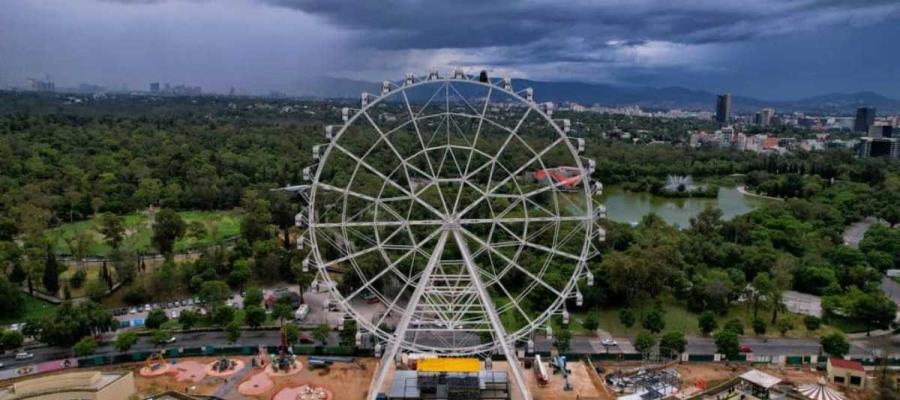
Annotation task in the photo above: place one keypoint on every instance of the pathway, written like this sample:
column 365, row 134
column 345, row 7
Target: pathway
column 856, row 231
column 233, row 380
column 743, row 190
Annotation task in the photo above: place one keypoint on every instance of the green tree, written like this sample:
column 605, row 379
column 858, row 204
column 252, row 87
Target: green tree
column 291, row 333
column 348, row 333
column 254, row 316
column 320, row 333
column 282, row 312
column 759, row 326
column 591, row 322
column 112, row 227
column 563, row 340
column 50, row 279
column 188, row 319
column 835, row 344
column 95, row 289
column 160, row 337
column 674, row 341
column 707, row 322
column 214, row 292
column 812, row 322
column 874, row 310
column 167, row 229
column 626, row 317
column 233, row 332
column 253, row 297
column 11, row 339
column 644, row 342
column 12, row 301
column 222, row 315
column 155, row 318
column 762, row 286
column 727, row 343
column 85, row 347
column 654, row 321
column 784, row 325
column 125, row 341
column 734, row 325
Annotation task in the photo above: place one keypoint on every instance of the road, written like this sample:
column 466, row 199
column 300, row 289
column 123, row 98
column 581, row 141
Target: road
column 187, row 340
column 856, row 231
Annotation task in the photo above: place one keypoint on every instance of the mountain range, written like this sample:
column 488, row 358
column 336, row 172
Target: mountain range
column 647, row 97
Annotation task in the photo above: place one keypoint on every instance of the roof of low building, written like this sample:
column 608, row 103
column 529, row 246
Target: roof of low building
column 846, row 364
column 760, row 378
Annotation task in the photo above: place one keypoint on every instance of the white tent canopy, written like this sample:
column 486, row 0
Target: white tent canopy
column 760, row 378
column 819, row 391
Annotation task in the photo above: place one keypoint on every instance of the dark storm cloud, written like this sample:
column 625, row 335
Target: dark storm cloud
column 767, row 48
column 403, row 24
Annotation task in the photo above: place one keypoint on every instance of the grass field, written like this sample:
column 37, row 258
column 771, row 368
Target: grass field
column 138, row 231
column 33, row 308
column 680, row 319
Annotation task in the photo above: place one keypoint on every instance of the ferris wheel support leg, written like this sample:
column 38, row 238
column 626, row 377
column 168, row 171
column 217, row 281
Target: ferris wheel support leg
column 400, row 333
column 500, row 333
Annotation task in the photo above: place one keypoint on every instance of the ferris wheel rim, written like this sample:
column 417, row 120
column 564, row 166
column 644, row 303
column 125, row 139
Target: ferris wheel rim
column 362, row 112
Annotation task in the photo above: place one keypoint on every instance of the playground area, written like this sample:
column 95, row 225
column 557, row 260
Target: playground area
column 245, row 379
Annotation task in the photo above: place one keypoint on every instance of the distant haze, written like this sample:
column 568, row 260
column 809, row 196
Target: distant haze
column 766, row 49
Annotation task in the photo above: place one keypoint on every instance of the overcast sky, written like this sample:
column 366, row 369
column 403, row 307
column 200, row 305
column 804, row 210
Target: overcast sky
column 771, row 49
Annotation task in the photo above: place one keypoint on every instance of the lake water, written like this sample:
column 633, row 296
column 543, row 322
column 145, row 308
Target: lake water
column 630, row 207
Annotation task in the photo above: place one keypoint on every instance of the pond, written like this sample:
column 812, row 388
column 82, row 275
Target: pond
column 630, row 207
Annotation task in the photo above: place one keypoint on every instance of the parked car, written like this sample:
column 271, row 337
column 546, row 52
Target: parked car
column 609, row 342
column 171, row 339
column 24, row 356
column 746, row 349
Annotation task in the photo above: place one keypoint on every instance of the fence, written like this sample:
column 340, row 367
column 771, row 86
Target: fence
column 212, row 351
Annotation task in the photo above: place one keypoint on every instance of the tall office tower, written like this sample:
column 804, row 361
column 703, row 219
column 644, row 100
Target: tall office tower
column 154, row 87
column 723, row 109
column 865, row 117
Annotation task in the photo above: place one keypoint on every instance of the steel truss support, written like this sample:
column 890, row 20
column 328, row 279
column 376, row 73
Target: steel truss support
column 400, row 333
column 499, row 332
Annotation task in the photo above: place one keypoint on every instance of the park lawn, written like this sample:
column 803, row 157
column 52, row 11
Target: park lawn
column 33, row 308
column 678, row 318
column 138, row 232
column 93, row 274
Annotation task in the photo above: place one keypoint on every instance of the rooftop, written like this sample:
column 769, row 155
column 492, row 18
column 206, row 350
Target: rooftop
column 760, row 378
column 846, row 364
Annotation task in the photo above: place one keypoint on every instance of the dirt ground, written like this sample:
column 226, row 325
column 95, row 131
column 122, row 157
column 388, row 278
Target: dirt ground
column 581, row 382
column 345, row 381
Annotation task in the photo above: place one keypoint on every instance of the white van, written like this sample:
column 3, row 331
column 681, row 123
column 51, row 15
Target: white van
column 301, row 312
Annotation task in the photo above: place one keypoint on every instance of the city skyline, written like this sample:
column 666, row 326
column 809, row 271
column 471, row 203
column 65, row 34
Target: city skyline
column 265, row 45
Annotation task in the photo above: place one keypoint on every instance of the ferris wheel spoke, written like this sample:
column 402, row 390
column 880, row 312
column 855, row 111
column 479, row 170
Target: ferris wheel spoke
column 536, row 157
column 418, row 132
column 390, row 268
column 346, row 192
column 354, row 254
column 403, row 162
column 388, row 180
column 428, row 222
column 515, row 302
column 481, row 221
column 487, row 101
column 512, row 263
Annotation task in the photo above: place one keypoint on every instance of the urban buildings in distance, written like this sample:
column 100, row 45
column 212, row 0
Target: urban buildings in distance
column 179, row 90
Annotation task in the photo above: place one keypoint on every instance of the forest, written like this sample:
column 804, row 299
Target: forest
column 100, row 159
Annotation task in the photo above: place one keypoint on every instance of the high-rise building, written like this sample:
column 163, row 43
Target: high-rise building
column 865, row 117
column 154, row 87
column 723, row 109
column 38, row 85
column 764, row 117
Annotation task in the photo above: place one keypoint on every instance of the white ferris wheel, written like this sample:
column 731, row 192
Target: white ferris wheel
column 460, row 209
